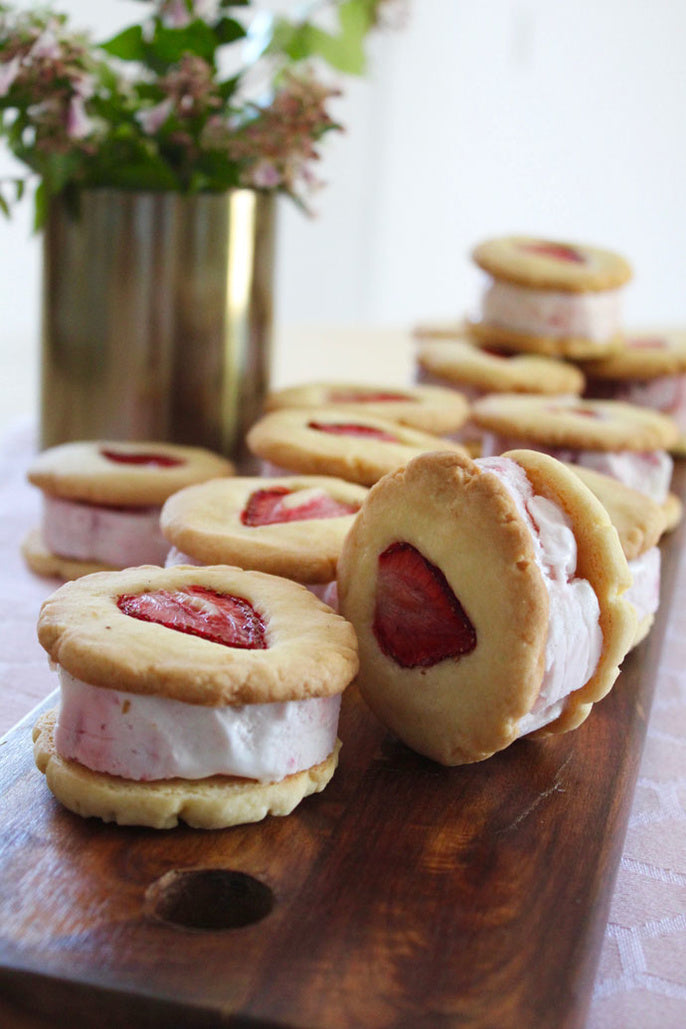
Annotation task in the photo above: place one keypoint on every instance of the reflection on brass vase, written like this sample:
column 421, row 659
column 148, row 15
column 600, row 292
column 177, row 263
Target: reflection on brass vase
column 157, row 317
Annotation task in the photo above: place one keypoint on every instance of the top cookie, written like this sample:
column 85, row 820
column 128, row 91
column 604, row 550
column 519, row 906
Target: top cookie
column 464, row 364
column 331, row 441
column 123, row 473
column 164, row 631
column 429, row 408
column 644, row 354
column 292, row 526
column 606, row 425
column 548, row 264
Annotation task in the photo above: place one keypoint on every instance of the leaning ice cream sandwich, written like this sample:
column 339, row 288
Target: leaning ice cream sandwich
column 429, row 408
column 562, row 299
column 624, row 441
column 640, row 523
column 293, row 526
column 649, row 370
column 207, row 695
column 102, row 501
column 331, row 441
column 487, row 598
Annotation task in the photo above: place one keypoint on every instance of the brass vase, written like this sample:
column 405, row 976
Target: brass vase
column 157, row 317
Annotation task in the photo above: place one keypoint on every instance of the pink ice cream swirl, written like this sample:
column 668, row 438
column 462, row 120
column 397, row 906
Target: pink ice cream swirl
column 575, row 641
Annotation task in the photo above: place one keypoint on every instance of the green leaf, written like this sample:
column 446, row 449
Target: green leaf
column 342, row 52
column 127, row 45
column 40, row 212
column 149, row 174
column 169, row 44
column 228, row 30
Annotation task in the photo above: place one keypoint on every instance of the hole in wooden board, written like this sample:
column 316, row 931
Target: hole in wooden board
column 208, row 899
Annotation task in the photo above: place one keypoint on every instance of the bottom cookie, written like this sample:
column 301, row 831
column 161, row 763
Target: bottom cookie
column 217, row 802
column 43, row 562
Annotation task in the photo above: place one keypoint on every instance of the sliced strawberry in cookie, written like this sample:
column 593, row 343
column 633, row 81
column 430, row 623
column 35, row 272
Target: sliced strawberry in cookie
column 352, row 429
column 556, row 251
column 218, row 617
column 351, row 396
column 138, row 457
column 418, row 620
column 272, row 506
column 647, row 343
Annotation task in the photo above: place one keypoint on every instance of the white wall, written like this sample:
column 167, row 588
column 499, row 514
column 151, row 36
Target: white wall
column 478, row 119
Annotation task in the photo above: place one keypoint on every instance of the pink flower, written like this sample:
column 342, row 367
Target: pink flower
column 265, row 175
column 46, row 46
column 175, row 13
column 79, row 125
column 154, row 118
column 8, row 73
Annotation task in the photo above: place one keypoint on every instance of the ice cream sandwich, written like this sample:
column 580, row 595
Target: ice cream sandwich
column 627, row 442
column 292, row 526
column 332, row 441
column 488, row 601
column 649, row 370
column 562, row 299
column 206, row 695
column 429, row 408
column 102, row 502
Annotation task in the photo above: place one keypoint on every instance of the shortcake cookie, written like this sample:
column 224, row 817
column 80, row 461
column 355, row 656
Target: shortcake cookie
column 428, row 408
column 640, row 523
column 456, row 328
column 487, row 598
column 625, row 441
column 330, row 441
column 102, row 501
column 475, row 371
column 550, row 297
column 207, row 695
column 649, row 370
column 292, row 526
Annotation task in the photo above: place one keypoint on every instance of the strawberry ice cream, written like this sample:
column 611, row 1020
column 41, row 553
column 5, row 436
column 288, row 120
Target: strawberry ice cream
column 575, row 641
column 121, row 537
column 593, row 316
column 644, row 592
column 665, row 393
column 145, row 737
column 649, row 472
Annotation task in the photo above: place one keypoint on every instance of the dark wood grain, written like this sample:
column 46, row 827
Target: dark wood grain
column 405, row 895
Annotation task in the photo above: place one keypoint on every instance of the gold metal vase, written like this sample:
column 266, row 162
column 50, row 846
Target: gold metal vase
column 157, row 317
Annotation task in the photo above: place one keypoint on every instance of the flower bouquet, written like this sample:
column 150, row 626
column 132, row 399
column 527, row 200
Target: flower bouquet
column 201, row 96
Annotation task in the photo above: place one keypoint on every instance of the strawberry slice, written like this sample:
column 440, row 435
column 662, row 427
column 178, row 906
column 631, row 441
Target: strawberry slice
column 418, row 620
column 140, row 457
column 351, row 396
column 198, row 611
column 647, row 343
column 343, row 429
column 267, row 507
column 585, row 412
column 557, row 251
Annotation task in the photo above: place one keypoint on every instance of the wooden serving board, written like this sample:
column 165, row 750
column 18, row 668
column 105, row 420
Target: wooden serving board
column 404, row 895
